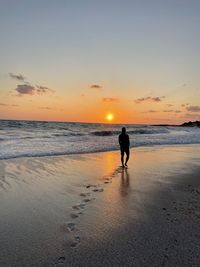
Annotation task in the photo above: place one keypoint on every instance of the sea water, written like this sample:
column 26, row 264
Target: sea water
column 33, row 138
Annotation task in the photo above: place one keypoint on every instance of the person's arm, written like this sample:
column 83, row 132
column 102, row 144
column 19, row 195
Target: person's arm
column 128, row 141
column 119, row 139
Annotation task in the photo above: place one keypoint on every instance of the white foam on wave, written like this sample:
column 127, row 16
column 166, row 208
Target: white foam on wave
column 25, row 141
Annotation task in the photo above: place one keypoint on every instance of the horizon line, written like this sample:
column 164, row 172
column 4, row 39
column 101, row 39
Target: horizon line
column 153, row 124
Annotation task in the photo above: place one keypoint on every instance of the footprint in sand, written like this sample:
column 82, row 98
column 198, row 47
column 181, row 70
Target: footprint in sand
column 74, row 215
column 98, row 190
column 60, row 260
column 69, row 226
column 92, row 185
column 76, row 242
column 85, row 194
column 80, row 206
column 87, row 200
column 76, row 207
column 95, row 190
column 108, row 181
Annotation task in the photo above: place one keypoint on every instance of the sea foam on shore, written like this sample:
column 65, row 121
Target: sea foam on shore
column 32, row 138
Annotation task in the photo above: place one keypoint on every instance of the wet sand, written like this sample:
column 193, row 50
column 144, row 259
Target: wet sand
column 84, row 210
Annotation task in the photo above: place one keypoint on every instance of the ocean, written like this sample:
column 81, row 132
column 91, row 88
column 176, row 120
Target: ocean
column 35, row 138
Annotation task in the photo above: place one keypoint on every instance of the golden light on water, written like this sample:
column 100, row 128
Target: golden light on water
column 109, row 117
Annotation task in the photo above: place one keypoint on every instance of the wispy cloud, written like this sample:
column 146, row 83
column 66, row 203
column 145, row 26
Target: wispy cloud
column 173, row 111
column 25, row 89
column 150, row 99
column 18, row 77
column 109, row 99
column 8, row 105
column 169, row 105
column 2, row 104
column 96, row 86
column 150, row 111
column 193, row 108
column 184, row 105
column 42, row 89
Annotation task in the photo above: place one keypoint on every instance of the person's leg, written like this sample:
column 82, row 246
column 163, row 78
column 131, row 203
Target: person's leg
column 127, row 156
column 122, row 157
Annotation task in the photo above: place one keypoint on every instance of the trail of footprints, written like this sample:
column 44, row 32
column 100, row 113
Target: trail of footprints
column 78, row 209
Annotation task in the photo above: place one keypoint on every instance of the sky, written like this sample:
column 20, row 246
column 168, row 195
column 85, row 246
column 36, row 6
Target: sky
column 81, row 60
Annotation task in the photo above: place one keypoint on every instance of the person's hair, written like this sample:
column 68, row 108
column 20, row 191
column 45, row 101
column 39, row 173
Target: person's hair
column 123, row 130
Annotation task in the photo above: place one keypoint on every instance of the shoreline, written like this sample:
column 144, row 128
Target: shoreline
column 83, row 210
column 97, row 152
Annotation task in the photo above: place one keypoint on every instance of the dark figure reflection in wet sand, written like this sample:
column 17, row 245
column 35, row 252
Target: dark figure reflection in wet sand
column 124, row 146
column 125, row 183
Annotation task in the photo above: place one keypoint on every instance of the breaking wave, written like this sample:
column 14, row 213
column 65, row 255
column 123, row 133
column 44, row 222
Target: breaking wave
column 29, row 138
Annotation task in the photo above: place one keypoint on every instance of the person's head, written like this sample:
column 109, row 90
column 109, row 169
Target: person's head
column 123, row 130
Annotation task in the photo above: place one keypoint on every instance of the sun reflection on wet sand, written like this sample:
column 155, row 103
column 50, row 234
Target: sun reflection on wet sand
column 125, row 183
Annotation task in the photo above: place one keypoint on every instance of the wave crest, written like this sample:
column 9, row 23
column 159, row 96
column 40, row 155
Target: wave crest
column 137, row 131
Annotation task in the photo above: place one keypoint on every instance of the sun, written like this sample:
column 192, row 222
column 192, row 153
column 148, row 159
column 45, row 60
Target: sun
column 109, row 117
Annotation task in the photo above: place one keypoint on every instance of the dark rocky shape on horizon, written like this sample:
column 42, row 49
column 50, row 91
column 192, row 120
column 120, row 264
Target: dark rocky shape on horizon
column 191, row 124
column 185, row 124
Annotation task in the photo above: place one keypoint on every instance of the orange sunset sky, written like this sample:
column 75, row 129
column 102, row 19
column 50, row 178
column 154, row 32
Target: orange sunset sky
column 82, row 60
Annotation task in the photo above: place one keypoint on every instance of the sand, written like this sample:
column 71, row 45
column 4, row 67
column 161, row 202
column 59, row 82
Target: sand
column 84, row 210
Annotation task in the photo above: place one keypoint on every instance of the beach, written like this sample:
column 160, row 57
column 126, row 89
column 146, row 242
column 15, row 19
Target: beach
column 84, row 210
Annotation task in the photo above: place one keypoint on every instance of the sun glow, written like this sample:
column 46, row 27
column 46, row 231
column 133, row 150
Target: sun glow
column 109, row 117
